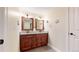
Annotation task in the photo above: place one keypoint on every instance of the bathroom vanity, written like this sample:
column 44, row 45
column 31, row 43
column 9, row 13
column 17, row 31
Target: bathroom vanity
column 30, row 38
column 33, row 40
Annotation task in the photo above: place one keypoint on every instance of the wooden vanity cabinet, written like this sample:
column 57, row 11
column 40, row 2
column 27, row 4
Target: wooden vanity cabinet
column 25, row 42
column 44, row 39
column 39, row 41
column 31, row 41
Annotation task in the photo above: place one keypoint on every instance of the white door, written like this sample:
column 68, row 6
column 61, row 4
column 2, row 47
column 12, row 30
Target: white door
column 74, row 29
column 1, row 28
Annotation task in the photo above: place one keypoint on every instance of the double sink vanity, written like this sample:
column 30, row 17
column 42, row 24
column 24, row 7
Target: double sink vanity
column 33, row 40
column 30, row 39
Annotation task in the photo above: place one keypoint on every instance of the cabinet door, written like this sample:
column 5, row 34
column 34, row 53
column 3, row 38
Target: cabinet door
column 34, row 41
column 39, row 40
column 44, row 39
column 22, row 38
column 28, row 42
column 25, row 42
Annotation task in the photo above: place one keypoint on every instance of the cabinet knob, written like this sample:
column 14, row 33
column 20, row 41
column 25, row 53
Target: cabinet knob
column 72, row 34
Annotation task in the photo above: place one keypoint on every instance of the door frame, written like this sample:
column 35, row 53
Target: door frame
column 69, row 27
column 71, row 12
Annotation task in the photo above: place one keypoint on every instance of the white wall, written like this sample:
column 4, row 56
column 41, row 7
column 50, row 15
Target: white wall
column 11, row 29
column 58, row 32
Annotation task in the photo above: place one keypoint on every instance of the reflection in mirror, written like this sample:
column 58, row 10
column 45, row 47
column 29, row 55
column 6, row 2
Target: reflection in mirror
column 40, row 25
column 27, row 24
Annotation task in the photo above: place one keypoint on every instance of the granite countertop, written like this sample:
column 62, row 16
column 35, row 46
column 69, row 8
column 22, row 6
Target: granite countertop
column 22, row 33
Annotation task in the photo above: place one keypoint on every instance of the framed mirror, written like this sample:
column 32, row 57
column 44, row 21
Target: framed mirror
column 27, row 24
column 39, row 25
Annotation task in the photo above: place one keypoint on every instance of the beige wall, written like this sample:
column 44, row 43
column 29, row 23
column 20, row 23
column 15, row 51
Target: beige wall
column 58, row 31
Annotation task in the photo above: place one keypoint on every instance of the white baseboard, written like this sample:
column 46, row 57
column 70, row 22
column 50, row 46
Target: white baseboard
column 57, row 50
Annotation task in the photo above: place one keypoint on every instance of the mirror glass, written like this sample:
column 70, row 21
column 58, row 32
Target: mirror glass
column 40, row 25
column 27, row 23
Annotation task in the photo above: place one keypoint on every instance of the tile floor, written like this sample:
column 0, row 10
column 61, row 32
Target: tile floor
column 42, row 49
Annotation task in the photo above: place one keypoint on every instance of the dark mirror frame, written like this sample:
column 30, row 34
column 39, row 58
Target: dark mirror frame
column 36, row 25
column 22, row 19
